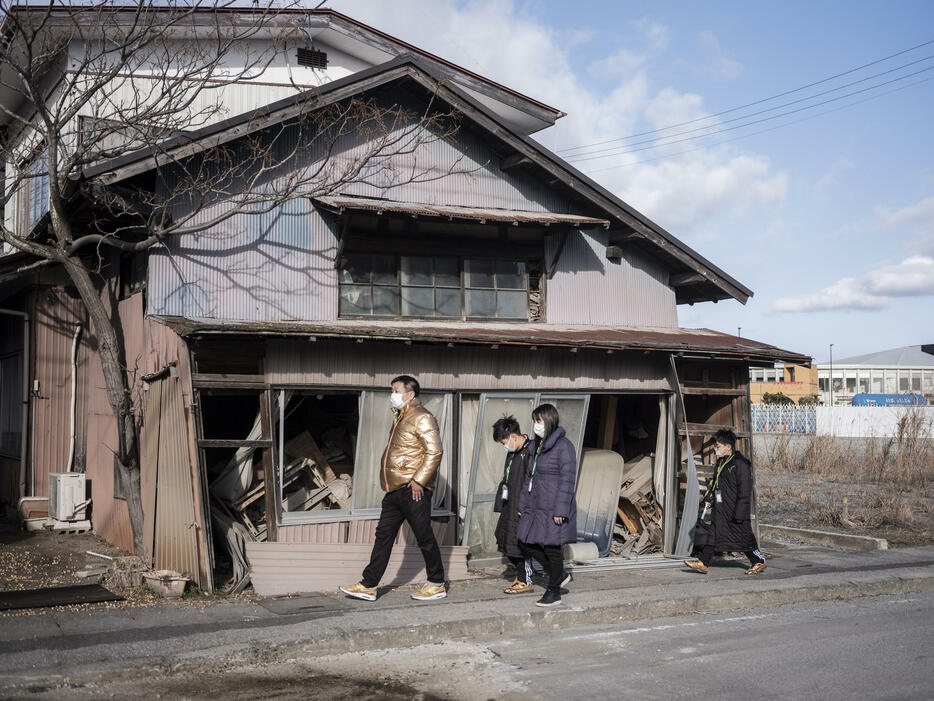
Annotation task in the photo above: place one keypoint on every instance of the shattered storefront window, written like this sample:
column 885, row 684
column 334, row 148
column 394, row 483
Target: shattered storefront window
column 331, row 446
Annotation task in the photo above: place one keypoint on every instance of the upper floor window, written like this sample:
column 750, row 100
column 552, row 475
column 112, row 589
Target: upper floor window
column 34, row 190
column 436, row 287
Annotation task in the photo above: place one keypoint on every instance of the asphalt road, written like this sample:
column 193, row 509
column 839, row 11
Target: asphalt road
column 874, row 648
column 869, row 648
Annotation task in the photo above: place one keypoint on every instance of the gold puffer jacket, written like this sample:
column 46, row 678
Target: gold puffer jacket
column 414, row 449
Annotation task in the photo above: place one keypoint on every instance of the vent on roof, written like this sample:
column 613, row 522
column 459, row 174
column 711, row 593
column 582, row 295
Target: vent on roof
column 312, row 58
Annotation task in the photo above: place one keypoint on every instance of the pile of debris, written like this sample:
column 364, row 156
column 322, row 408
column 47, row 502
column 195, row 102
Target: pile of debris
column 639, row 531
column 309, row 483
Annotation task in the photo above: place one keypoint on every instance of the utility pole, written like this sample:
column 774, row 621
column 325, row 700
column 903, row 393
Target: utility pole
column 831, row 374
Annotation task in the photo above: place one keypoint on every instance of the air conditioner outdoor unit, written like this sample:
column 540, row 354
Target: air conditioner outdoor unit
column 66, row 496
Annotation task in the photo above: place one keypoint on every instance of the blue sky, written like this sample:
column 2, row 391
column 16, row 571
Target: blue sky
column 830, row 220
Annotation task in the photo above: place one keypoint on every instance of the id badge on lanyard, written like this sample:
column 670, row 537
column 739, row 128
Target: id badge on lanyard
column 718, row 496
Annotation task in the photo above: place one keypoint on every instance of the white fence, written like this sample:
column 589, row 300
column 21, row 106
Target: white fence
column 843, row 421
column 870, row 421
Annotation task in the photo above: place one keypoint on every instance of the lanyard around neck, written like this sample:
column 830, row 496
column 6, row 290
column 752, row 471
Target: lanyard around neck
column 538, row 450
column 716, row 481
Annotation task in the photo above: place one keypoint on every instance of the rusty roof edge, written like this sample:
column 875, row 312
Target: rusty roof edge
column 191, row 327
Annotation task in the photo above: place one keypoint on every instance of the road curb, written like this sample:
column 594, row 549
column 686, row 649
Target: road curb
column 842, row 541
column 340, row 641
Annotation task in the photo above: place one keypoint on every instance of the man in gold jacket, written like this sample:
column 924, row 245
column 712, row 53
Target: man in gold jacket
column 408, row 471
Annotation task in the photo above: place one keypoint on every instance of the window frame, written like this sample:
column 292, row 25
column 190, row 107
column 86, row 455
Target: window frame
column 441, row 499
column 464, row 289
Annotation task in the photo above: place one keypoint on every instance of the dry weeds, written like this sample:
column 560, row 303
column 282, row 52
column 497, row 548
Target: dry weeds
column 903, row 460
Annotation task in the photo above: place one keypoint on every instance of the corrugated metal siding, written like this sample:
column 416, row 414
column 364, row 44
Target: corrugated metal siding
column 175, row 545
column 359, row 532
column 289, row 568
column 148, row 347
column 279, row 266
column 589, row 289
column 55, row 315
column 346, row 363
column 274, row 266
column 471, row 178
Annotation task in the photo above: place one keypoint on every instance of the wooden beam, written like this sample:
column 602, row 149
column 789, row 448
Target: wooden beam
column 515, row 160
column 202, row 380
column 232, row 443
column 269, row 465
column 345, row 225
column 714, row 391
column 608, row 405
column 685, row 279
column 554, row 261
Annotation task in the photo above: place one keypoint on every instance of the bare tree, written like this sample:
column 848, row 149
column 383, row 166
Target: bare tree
column 84, row 84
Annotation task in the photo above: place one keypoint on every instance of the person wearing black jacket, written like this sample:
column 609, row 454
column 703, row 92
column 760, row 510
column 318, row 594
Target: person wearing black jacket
column 518, row 455
column 729, row 498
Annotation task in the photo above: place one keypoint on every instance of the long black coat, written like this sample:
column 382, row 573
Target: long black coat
column 731, row 529
column 551, row 494
column 508, row 525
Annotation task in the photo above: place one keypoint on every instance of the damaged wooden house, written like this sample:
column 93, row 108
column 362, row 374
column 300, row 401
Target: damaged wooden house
column 262, row 346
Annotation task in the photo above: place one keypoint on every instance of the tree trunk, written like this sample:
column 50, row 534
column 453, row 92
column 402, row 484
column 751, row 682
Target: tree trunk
column 118, row 395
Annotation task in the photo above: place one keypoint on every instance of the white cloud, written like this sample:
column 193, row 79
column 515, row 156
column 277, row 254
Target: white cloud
column 913, row 277
column 716, row 63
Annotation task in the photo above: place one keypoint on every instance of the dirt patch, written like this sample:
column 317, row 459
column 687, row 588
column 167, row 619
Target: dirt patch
column 36, row 560
column 451, row 671
column 903, row 516
column 33, row 560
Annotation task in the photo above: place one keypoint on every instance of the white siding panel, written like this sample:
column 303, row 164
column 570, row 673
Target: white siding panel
column 589, row 289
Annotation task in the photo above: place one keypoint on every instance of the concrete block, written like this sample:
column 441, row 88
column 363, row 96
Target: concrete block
column 842, row 541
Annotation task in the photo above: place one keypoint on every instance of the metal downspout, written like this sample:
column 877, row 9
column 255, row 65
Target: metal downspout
column 74, row 395
column 22, row 458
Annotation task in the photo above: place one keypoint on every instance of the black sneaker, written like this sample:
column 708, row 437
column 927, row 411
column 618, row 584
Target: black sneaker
column 566, row 579
column 549, row 599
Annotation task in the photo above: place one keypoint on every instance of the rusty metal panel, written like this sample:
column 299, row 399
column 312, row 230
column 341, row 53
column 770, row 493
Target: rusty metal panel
column 418, row 209
column 175, row 533
column 149, row 464
column 589, row 289
column 346, row 363
column 55, row 316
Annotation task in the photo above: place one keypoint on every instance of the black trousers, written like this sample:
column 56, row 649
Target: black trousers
column 706, row 555
column 399, row 507
column 551, row 560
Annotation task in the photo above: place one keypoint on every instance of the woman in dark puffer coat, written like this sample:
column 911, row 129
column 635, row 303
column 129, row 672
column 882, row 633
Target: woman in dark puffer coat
column 547, row 508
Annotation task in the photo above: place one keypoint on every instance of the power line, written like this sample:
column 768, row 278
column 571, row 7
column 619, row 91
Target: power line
column 625, row 150
column 754, row 114
column 749, row 104
column 761, row 131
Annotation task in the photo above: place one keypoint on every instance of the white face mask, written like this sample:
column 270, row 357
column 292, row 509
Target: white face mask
column 539, row 429
column 506, row 447
column 395, row 400
column 721, row 452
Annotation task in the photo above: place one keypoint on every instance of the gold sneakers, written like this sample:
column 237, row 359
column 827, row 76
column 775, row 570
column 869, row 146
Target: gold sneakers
column 697, row 566
column 429, row 592
column 518, row 587
column 756, row 568
column 358, row 591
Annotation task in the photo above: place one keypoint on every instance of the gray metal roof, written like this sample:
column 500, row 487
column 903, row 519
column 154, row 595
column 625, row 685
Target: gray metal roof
column 378, row 206
column 672, row 340
column 907, row 356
